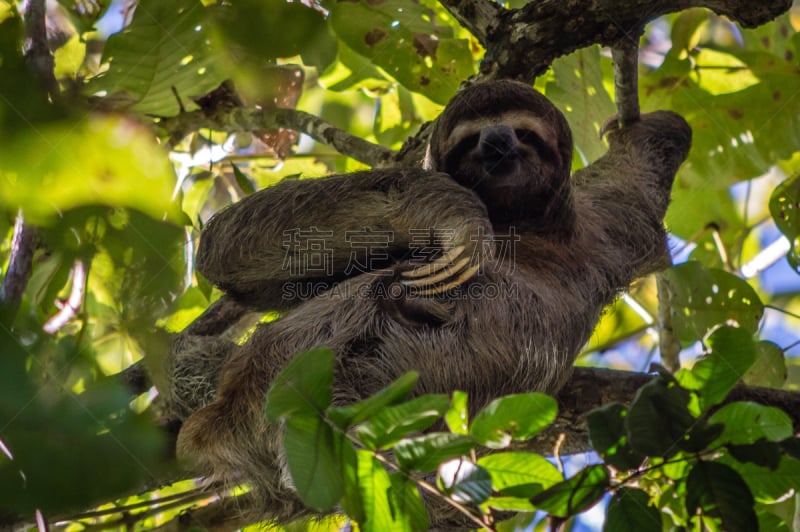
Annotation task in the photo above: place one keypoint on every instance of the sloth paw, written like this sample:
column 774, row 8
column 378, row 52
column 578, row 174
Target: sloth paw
column 449, row 270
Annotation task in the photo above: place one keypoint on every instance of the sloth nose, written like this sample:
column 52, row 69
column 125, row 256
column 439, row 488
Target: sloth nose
column 497, row 143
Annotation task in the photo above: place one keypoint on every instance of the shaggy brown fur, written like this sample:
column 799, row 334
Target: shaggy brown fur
column 514, row 326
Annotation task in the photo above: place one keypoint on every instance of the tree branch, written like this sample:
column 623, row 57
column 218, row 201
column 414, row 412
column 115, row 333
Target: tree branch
column 251, row 119
column 475, row 15
column 23, row 244
column 37, row 52
column 524, row 42
column 587, row 389
column 625, row 56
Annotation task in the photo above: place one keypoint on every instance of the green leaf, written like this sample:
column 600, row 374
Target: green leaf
column 702, row 298
column 791, row 446
column 520, row 474
column 347, row 416
column 310, row 446
column 746, row 422
column 352, row 501
column 659, row 418
column 608, row 435
column 513, row 417
column 575, row 494
column 762, row 453
column 304, row 387
column 513, row 504
column 242, row 180
column 375, row 484
column 630, row 511
column 768, row 485
column 165, row 50
column 465, row 481
column 407, row 504
column 784, row 205
column 693, row 209
column 103, row 160
column 685, row 28
column 64, row 445
column 719, row 491
column 578, row 90
column 425, row 453
column 402, row 39
column 769, row 369
column 396, row 422
column 732, row 352
column 293, row 28
column 457, row 416
column 734, row 145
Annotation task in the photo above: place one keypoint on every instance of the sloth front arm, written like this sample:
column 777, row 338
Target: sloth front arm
column 324, row 230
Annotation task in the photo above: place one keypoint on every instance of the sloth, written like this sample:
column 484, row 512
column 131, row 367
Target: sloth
column 484, row 271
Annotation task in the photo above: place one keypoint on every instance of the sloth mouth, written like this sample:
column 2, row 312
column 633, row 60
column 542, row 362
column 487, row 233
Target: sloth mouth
column 501, row 168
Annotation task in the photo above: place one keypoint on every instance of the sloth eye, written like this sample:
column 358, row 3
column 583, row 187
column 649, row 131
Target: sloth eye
column 532, row 139
column 467, row 143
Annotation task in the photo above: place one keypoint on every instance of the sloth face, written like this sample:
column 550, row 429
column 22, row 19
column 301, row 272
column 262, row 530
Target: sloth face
column 515, row 155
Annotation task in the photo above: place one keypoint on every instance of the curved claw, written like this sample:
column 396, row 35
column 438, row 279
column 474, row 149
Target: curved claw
column 461, row 279
column 440, row 276
column 434, row 266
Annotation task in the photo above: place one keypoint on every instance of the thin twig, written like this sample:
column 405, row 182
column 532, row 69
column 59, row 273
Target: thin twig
column 73, row 303
column 625, row 55
column 252, row 119
column 668, row 343
column 23, row 244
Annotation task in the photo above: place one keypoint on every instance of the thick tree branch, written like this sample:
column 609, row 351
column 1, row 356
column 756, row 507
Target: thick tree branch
column 37, row 53
column 587, row 389
column 474, row 15
column 523, row 43
column 249, row 119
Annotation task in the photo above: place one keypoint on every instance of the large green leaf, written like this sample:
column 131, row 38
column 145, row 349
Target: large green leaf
column 103, row 160
column 769, row 369
column 747, row 422
column 718, row 491
column 304, row 387
column 784, row 205
column 310, row 448
column 520, row 474
column 396, row 422
column 579, row 92
column 346, row 416
column 630, row 511
column 164, row 55
column 513, row 417
column 731, row 140
column 732, row 351
column 402, row 39
column 376, row 486
column 609, row 436
column 425, row 453
column 407, row 503
column 292, row 28
column 575, row 494
column 65, row 446
column 768, row 485
column 701, row 298
column 659, row 418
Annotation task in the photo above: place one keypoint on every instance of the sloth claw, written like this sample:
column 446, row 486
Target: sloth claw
column 427, row 286
column 434, row 266
column 441, row 275
column 461, row 279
